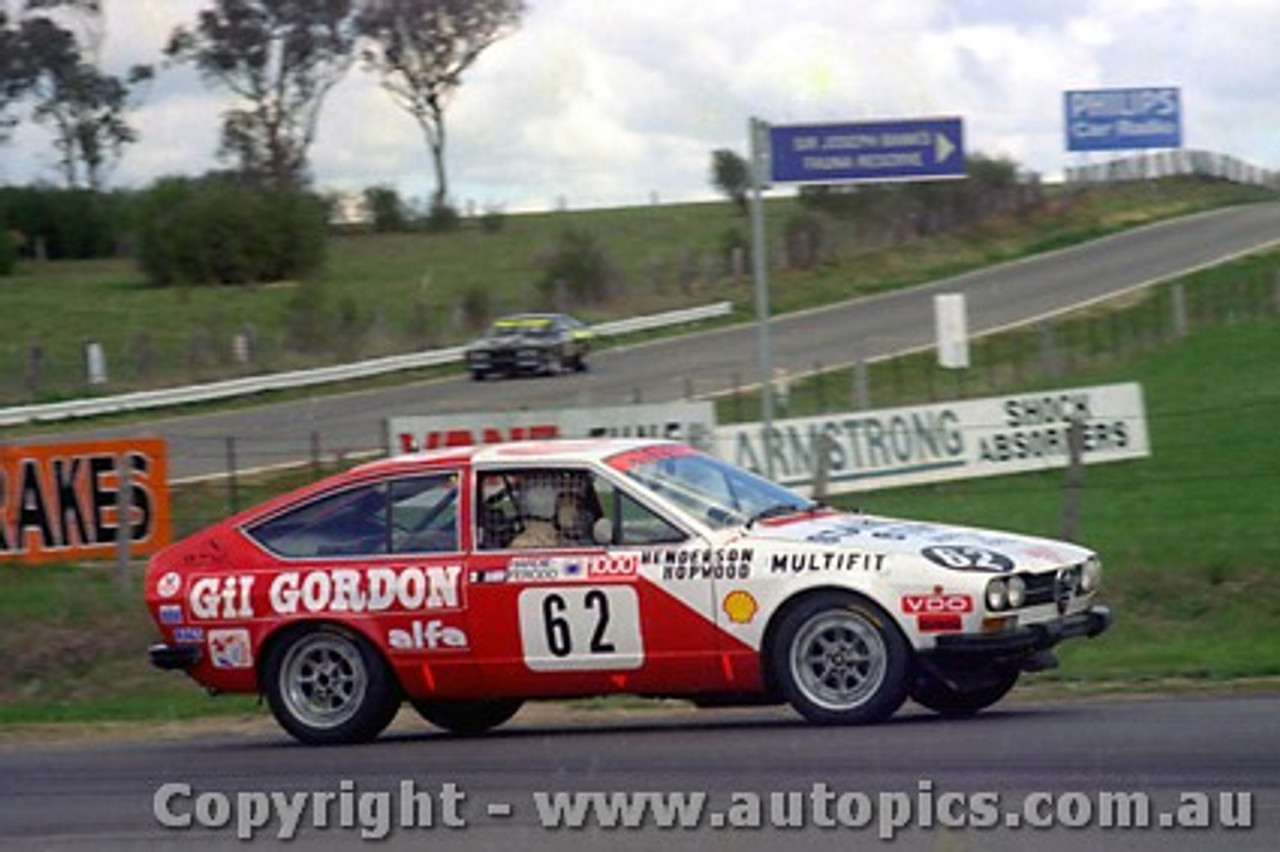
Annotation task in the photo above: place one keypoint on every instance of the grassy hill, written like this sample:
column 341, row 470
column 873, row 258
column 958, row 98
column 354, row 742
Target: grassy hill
column 386, row 293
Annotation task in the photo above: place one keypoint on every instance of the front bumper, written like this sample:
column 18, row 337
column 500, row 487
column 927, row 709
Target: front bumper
column 170, row 657
column 1026, row 640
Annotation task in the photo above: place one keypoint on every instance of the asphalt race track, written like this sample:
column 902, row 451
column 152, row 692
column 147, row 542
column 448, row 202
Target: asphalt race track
column 1035, row 764
column 669, row 369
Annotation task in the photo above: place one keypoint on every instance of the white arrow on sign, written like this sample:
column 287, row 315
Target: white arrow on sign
column 942, row 147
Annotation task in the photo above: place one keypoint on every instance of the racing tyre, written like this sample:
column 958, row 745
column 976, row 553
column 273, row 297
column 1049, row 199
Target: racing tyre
column 838, row 660
column 468, row 717
column 326, row 686
column 932, row 692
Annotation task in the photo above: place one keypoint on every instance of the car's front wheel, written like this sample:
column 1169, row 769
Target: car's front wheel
column 933, row 692
column 838, row 659
column 468, row 717
column 326, row 686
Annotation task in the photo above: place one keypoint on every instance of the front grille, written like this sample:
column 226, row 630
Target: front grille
column 1054, row 587
column 1040, row 588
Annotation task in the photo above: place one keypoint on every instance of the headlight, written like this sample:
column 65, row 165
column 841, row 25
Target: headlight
column 997, row 595
column 1016, row 591
column 1091, row 575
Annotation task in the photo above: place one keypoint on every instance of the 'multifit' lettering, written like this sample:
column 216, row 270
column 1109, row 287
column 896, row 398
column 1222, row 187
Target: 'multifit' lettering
column 795, row 563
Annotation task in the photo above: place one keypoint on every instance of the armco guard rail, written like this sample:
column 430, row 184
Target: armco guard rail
column 250, row 385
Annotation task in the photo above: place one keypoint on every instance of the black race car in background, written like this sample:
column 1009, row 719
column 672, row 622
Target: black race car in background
column 545, row 344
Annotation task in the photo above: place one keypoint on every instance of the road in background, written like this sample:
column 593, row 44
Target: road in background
column 706, row 363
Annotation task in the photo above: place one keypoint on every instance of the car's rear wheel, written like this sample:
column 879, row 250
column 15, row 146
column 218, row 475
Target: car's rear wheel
column 838, row 659
column 326, row 686
column 468, row 717
column 933, row 692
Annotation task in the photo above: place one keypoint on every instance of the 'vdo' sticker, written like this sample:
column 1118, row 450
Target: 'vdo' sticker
column 962, row 558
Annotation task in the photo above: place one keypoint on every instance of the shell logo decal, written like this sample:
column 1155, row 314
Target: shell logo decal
column 740, row 606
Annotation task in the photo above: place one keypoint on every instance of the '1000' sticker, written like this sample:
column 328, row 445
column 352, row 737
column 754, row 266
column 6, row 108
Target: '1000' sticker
column 588, row 628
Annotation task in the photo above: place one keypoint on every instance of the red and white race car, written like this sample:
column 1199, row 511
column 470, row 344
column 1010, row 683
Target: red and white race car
column 469, row 580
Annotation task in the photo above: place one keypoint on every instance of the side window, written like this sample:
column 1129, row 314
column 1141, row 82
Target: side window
column 630, row 522
column 349, row 523
column 424, row 514
column 536, row 508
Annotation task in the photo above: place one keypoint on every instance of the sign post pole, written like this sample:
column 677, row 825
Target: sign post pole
column 756, row 132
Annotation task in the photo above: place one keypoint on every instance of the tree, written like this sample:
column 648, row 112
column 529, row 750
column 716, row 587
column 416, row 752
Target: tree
column 14, row 76
column 731, row 175
column 85, row 105
column 281, row 58
column 420, row 49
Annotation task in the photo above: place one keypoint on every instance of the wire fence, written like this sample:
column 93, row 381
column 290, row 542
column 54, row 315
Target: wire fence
column 1049, row 354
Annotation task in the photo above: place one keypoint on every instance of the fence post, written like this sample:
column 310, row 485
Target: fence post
column 233, row 484
column 861, row 385
column 822, row 387
column 124, row 528
column 1074, row 480
column 1049, row 351
column 822, row 472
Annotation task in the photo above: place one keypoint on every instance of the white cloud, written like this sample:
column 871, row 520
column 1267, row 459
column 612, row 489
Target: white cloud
column 599, row 102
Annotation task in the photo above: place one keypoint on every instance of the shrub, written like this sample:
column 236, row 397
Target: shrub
column 215, row 230
column 66, row 224
column 576, row 269
column 386, row 209
column 8, row 251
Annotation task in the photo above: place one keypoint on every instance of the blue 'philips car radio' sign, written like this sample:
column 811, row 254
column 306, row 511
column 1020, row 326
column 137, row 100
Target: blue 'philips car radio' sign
column 914, row 149
column 1123, row 119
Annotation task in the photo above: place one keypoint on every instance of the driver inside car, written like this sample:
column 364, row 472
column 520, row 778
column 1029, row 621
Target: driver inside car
column 554, row 516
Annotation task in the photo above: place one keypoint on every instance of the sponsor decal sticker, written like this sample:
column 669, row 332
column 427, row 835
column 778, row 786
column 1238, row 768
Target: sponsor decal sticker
column 329, row 590
column 433, row 635
column 740, row 606
column 171, row 614
column 723, row 563
column 939, row 624
column 959, row 557
column 938, row 612
column 169, row 584
column 936, row 604
column 230, row 649
column 835, row 560
column 526, row 570
column 613, row 566
column 188, row 634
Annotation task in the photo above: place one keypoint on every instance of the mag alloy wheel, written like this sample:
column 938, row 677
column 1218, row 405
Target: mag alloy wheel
column 839, row 660
column 325, row 686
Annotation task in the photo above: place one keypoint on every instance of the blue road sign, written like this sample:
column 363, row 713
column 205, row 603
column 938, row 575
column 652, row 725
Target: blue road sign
column 1123, row 119
column 913, row 149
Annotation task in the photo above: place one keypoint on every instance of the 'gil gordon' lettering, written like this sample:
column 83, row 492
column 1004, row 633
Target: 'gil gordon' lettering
column 332, row 590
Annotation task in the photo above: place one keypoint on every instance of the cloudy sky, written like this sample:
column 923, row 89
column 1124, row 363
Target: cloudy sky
column 615, row 102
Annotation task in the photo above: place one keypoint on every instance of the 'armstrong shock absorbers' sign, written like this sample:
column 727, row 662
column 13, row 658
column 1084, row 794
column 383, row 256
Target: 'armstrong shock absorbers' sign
column 862, row 450
column 73, row 500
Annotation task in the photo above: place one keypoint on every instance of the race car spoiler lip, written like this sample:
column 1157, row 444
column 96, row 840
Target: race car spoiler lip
column 169, row 657
column 1027, row 639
